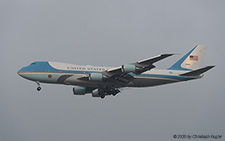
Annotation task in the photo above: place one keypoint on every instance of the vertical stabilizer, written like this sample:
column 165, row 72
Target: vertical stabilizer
column 192, row 60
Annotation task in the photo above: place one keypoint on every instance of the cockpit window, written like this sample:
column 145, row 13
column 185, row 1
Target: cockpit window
column 33, row 64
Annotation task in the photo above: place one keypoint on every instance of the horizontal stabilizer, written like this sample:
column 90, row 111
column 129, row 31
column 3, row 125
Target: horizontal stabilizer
column 198, row 71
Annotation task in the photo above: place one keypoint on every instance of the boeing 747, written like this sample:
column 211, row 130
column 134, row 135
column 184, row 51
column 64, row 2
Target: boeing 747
column 103, row 81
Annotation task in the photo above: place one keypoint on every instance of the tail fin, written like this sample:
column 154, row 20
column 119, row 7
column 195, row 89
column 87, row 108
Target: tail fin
column 192, row 60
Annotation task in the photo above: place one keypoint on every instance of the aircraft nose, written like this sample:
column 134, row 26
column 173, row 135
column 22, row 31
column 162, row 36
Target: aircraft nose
column 20, row 72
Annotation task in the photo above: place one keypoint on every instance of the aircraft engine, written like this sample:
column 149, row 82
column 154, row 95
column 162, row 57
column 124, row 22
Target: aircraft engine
column 95, row 77
column 79, row 90
column 98, row 93
column 127, row 68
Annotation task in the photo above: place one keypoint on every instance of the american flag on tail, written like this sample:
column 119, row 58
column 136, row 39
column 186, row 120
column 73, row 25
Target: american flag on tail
column 193, row 57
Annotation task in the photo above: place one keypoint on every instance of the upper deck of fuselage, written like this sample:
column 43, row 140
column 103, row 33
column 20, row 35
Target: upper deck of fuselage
column 56, row 67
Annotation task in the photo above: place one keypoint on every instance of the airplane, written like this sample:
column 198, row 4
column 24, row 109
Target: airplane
column 103, row 81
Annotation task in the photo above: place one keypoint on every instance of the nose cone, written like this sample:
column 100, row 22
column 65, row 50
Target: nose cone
column 21, row 72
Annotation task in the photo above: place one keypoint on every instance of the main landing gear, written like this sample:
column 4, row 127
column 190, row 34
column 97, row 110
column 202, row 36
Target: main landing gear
column 102, row 96
column 38, row 88
column 112, row 90
column 102, row 92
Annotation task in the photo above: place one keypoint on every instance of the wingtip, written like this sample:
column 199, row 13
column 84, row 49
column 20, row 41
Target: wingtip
column 167, row 54
column 212, row 66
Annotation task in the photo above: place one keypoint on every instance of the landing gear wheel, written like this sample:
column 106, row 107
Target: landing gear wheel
column 103, row 96
column 115, row 92
column 38, row 88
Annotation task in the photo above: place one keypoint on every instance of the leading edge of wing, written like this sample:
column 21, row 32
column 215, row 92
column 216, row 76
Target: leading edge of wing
column 153, row 59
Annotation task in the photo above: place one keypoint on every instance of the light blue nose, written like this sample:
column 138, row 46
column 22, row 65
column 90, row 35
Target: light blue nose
column 22, row 73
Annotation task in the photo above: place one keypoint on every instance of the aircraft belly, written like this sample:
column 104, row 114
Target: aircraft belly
column 137, row 82
column 73, row 80
column 147, row 82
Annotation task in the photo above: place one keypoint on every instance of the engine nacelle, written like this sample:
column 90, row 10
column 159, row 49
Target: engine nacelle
column 95, row 77
column 79, row 90
column 97, row 93
column 127, row 68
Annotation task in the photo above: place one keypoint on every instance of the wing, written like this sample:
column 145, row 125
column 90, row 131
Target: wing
column 141, row 66
column 120, row 76
column 147, row 64
column 122, row 73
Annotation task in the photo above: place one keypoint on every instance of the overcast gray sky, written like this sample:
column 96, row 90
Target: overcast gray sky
column 110, row 33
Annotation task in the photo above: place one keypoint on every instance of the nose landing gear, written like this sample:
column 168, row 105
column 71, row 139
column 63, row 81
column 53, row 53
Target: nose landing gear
column 38, row 88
